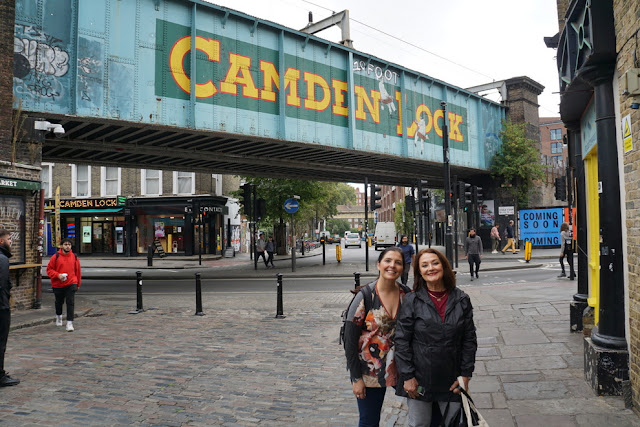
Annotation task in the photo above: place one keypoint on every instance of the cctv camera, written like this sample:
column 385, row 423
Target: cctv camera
column 58, row 130
column 635, row 105
column 443, row 104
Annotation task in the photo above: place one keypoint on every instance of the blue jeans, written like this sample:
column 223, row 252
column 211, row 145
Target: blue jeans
column 371, row 406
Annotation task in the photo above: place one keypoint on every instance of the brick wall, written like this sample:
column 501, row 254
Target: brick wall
column 627, row 21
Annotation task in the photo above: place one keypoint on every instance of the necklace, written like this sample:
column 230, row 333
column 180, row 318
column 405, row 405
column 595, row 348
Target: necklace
column 435, row 296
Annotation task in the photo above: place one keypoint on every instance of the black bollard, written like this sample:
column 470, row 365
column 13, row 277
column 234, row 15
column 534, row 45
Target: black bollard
column 279, row 309
column 323, row 250
column 302, row 247
column 150, row 256
column 139, row 308
column 198, row 296
column 357, row 279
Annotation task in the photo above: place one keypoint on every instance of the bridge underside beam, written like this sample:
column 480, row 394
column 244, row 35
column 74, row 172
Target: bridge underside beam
column 117, row 143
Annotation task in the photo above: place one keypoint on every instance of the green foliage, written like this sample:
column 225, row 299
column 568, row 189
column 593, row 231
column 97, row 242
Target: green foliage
column 406, row 226
column 317, row 199
column 517, row 164
column 338, row 226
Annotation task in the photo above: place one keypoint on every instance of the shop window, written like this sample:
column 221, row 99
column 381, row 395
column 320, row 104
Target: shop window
column 12, row 218
column 46, row 178
column 151, row 182
column 166, row 230
column 556, row 134
column 184, row 183
column 110, row 181
column 80, row 181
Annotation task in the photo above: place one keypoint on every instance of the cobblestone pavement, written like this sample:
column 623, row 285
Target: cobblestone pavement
column 239, row 366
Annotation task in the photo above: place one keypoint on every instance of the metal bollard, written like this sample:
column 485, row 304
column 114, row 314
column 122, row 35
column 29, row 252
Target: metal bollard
column 150, row 256
column 356, row 276
column 279, row 309
column 324, row 251
column 198, row 296
column 139, row 308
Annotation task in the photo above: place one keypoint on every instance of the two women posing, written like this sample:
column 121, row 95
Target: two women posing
column 417, row 342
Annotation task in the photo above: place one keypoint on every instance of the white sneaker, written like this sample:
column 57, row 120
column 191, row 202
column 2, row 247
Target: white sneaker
column 494, row 252
column 69, row 326
column 58, row 320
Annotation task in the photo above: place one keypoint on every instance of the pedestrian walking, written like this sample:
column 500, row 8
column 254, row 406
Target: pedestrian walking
column 5, row 309
column 473, row 251
column 511, row 243
column 369, row 332
column 270, row 247
column 408, row 253
column 261, row 245
column 64, row 271
column 495, row 238
column 435, row 340
column 566, row 249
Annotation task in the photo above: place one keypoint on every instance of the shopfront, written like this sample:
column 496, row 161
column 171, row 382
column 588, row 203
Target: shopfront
column 94, row 226
column 175, row 225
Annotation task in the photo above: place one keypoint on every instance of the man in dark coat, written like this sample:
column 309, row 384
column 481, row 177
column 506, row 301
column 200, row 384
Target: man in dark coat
column 5, row 312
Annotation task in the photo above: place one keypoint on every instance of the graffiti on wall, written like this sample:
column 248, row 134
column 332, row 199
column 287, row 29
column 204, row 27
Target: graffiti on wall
column 39, row 61
column 12, row 219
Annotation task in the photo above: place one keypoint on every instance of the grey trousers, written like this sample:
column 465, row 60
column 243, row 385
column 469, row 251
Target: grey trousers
column 420, row 412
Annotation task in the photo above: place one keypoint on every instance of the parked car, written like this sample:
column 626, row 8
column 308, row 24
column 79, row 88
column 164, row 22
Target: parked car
column 385, row 235
column 352, row 239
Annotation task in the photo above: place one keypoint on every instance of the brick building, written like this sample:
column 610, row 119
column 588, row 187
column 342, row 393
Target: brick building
column 599, row 77
column 391, row 195
column 555, row 157
column 121, row 211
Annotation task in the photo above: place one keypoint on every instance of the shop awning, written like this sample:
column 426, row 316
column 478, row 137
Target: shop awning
column 89, row 211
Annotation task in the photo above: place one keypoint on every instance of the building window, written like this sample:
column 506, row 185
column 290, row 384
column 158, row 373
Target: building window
column 184, row 183
column 556, row 147
column 556, row 134
column 556, row 159
column 151, row 182
column 80, row 181
column 110, row 179
column 46, row 178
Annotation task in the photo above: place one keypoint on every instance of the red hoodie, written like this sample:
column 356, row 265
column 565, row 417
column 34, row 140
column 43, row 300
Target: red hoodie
column 64, row 263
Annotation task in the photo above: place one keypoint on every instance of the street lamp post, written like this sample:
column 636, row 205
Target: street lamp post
column 448, row 234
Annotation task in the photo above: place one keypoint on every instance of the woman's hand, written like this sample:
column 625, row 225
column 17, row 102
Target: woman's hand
column 454, row 387
column 411, row 387
column 359, row 390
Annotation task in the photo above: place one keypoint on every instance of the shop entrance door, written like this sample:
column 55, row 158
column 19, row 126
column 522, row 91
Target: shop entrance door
column 102, row 238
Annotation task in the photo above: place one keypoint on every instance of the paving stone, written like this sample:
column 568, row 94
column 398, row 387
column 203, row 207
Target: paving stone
column 522, row 364
column 546, row 421
column 498, row 417
column 532, row 336
column 524, row 350
column 499, row 400
column 484, row 384
column 535, row 390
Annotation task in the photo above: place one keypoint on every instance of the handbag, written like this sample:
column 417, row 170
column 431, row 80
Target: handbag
column 468, row 415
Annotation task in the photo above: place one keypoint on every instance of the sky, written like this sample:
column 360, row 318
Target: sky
column 461, row 42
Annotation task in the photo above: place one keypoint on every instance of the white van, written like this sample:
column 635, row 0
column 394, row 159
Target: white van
column 385, row 235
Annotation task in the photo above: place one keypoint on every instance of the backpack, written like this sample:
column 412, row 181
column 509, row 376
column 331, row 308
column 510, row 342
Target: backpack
column 366, row 291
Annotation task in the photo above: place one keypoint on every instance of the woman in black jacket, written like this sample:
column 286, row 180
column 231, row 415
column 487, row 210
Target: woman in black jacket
column 435, row 339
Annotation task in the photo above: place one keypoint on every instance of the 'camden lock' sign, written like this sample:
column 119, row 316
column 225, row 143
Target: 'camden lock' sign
column 115, row 202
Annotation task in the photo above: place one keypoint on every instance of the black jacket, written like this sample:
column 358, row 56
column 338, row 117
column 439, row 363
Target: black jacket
column 5, row 282
column 432, row 351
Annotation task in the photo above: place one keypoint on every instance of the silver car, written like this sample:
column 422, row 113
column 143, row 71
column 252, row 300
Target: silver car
column 352, row 239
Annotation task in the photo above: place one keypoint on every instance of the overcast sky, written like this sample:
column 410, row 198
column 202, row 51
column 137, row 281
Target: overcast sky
column 482, row 41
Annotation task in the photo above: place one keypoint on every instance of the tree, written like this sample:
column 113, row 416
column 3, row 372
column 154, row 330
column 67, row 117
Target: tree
column 406, row 226
column 338, row 226
column 517, row 164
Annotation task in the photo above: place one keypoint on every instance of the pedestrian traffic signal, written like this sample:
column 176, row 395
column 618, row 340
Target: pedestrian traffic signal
column 246, row 199
column 479, row 195
column 464, row 192
column 561, row 188
column 374, row 196
column 410, row 203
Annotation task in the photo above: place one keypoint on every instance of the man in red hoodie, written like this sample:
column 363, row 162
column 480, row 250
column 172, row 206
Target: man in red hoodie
column 64, row 271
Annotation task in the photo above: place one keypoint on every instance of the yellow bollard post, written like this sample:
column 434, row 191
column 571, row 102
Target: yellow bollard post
column 369, row 241
column 338, row 252
column 528, row 247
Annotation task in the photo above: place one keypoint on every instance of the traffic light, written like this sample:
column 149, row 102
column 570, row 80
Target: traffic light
column 424, row 190
column 374, row 196
column 246, row 199
column 261, row 207
column 561, row 188
column 474, row 197
column 409, row 203
column 464, row 192
column 479, row 195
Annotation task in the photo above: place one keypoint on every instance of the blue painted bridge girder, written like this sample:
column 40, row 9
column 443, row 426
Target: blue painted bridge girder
column 189, row 85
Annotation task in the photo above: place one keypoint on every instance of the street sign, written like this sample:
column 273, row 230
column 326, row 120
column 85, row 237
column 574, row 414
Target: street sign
column 506, row 210
column 291, row 206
